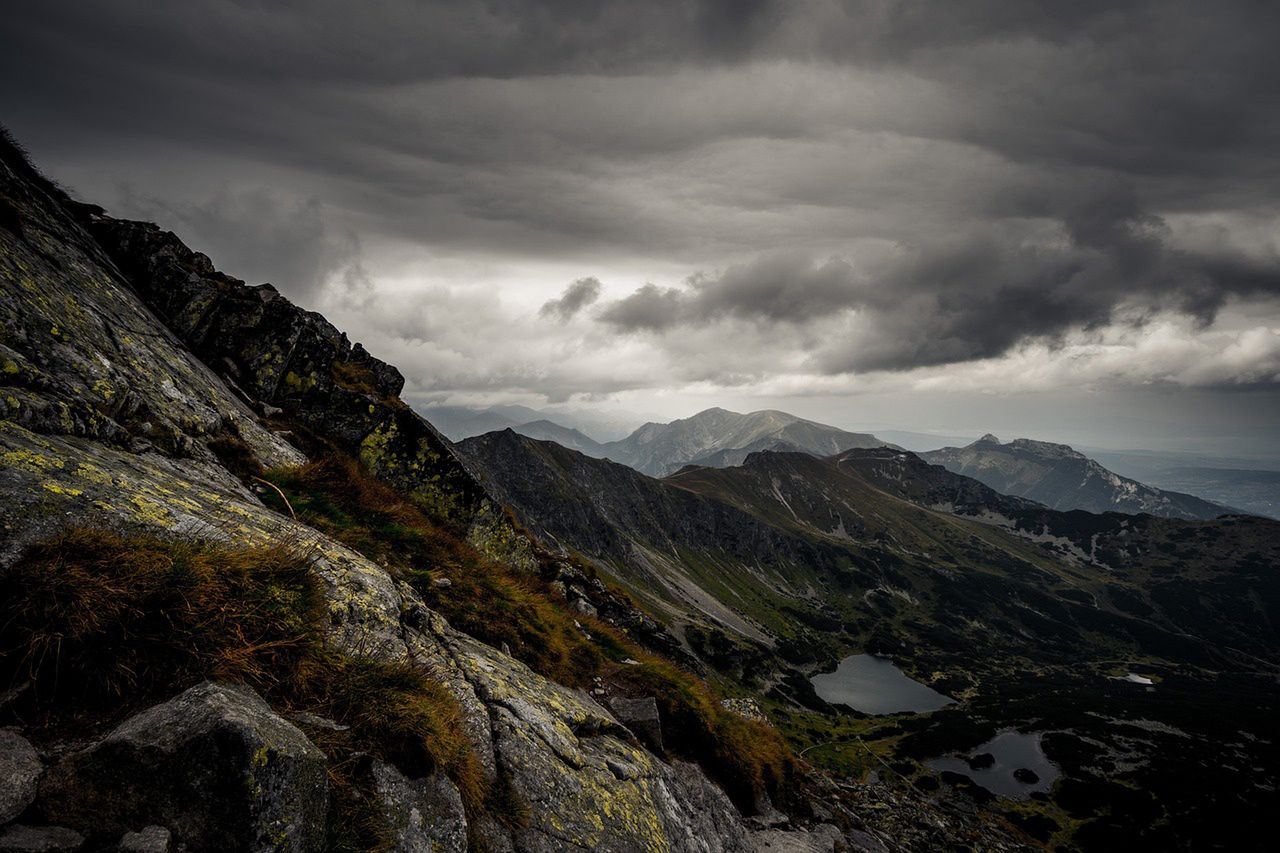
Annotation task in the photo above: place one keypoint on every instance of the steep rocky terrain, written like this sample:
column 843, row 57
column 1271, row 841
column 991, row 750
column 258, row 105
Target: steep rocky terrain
column 661, row 449
column 1062, row 478
column 143, row 393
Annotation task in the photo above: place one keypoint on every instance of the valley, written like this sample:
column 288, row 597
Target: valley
column 1029, row 616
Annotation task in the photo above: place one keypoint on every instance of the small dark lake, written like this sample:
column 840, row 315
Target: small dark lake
column 874, row 685
column 1011, row 750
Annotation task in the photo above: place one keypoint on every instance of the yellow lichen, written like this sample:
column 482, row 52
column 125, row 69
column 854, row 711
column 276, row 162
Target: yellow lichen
column 29, row 461
column 92, row 473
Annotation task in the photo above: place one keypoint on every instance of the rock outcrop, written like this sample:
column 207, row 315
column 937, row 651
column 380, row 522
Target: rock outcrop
column 215, row 766
column 20, row 770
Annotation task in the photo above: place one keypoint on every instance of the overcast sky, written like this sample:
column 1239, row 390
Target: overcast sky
column 1054, row 219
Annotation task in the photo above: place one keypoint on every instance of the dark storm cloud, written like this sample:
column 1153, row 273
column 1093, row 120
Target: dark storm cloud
column 576, row 296
column 969, row 298
column 958, row 177
column 784, row 287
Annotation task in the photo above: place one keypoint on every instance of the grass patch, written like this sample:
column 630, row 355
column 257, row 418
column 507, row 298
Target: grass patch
column 502, row 606
column 478, row 595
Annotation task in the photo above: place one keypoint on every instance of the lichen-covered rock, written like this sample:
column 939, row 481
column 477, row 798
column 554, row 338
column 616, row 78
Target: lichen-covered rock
column 81, row 355
column 20, row 770
column 19, row 838
column 420, row 815
column 585, row 782
column 286, row 357
column 215, row 765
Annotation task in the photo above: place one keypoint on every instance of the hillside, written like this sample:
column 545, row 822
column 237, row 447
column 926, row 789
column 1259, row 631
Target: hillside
column 1251, row 485
column 1026, row 611
column 660, row 449
column 1062, row 478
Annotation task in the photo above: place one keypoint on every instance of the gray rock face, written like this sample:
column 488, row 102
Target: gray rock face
column 641, row 716
column 215, row 765
column 20, row 770
column 18, row 838
column 423, row 815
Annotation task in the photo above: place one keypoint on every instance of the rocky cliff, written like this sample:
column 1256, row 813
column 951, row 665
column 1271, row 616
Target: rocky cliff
column 139, row 391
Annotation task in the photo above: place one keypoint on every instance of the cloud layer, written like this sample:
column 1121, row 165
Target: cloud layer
column 559, row 199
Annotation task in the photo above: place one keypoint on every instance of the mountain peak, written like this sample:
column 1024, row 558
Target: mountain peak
column 713, row 412
column 719, row 437
column 989, row 438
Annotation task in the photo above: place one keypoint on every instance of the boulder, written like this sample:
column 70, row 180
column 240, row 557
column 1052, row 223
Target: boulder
column 20, row 770
column 18, row 838
column 641, row 717
column 215, row 765
column 421, row 815
column 150, row 839
column 1026, row 775
column 982, row 761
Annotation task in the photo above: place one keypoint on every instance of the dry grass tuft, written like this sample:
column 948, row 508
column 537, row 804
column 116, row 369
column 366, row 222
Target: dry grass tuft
column 94, row 619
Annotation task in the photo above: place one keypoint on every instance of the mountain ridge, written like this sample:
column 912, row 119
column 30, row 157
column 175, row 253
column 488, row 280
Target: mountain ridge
column 1061, row 477
column 658, row 449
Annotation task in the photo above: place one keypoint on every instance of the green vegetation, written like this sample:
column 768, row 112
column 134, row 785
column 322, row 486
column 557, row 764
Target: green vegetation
column 502, row 606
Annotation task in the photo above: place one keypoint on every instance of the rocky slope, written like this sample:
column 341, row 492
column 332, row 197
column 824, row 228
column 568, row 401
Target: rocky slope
column 661, row 449
column 137, row 384
column 1062, row 478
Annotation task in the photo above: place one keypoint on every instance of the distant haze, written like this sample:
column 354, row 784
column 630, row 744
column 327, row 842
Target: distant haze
column 1054, row 220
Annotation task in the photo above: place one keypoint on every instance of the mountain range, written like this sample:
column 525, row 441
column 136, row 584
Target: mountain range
column 1250, row 484
column 1063, row 478
column 1054, row 475
column 661, row 449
